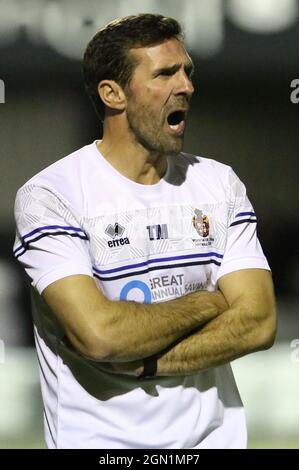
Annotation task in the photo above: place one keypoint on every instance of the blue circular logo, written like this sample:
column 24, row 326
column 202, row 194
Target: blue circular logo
column 136, row 285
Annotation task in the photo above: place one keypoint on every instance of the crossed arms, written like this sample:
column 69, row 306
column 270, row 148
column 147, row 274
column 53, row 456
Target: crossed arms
column 189, row 334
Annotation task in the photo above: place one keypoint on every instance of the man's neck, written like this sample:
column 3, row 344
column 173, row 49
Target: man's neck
column 132, row 160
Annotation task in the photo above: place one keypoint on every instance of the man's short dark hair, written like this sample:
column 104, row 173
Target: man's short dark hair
column 107, row 54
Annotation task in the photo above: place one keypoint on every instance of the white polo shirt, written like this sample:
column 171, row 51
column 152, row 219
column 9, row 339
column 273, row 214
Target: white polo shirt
column 148, row 243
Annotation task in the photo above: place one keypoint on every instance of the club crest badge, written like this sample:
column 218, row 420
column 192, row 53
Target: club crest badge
column 201, row 223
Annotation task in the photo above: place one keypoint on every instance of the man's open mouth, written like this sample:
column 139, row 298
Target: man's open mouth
column 176, row 121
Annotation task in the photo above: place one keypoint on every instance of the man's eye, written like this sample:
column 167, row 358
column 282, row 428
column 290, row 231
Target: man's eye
column 166, row 73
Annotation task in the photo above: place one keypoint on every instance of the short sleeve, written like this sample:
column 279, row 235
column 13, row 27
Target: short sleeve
column 243, row 249
column 50, row 241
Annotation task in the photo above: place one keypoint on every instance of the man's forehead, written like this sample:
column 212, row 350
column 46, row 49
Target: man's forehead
column 169, row 52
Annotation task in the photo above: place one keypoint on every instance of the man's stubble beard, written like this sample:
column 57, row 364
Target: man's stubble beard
column 148, row 133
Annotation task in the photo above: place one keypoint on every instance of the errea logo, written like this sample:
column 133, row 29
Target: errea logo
column 115, row 232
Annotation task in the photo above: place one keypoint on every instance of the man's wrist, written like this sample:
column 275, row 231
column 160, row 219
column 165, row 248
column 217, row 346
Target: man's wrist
column 150, row 365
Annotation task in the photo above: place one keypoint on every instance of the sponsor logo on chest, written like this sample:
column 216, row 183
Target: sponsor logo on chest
column 157, row 232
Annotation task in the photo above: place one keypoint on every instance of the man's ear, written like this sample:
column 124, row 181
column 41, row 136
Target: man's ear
column 112, row 95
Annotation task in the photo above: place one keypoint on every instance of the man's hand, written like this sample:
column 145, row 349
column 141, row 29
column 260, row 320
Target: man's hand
column 248, row 325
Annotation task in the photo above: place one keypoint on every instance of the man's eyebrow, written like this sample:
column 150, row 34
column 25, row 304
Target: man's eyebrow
column 189, row 68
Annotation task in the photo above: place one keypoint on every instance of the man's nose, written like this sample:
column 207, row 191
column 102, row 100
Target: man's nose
column 184, row 85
